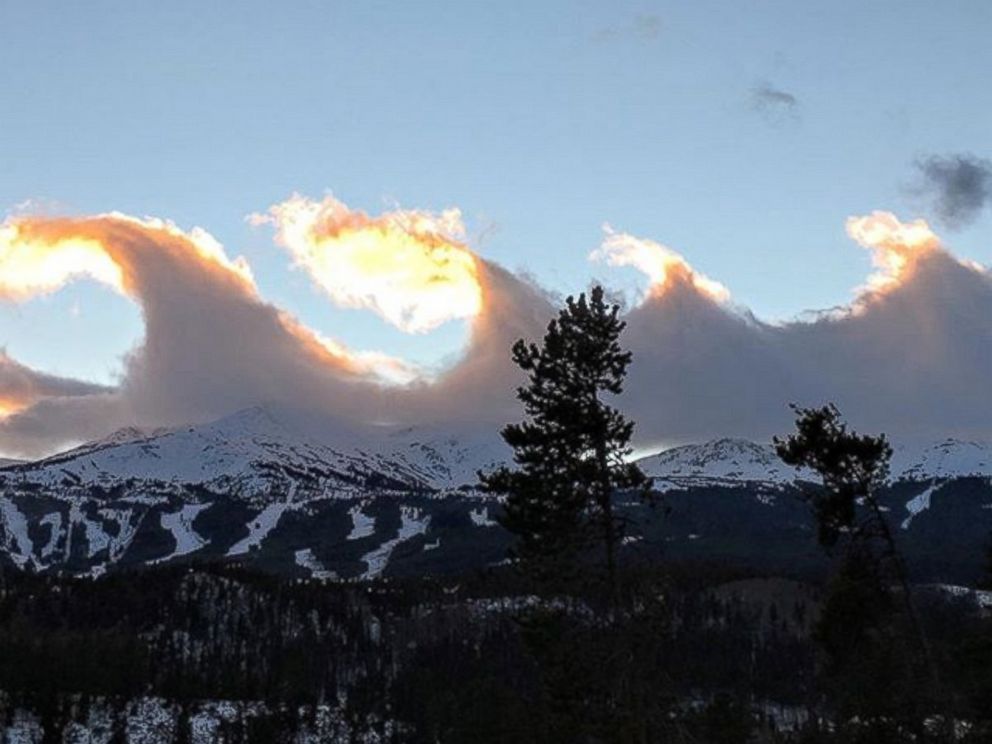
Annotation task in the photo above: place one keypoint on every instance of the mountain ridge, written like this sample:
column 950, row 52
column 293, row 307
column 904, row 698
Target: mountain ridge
column 360, row 502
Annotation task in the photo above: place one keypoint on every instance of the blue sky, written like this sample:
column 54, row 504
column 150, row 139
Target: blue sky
column 541, row 121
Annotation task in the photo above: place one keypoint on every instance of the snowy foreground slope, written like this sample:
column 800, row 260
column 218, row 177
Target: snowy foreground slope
column 326, row 499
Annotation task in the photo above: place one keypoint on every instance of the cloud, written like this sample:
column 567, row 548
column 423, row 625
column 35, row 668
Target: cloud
column 22, row 387
column 645, row 27
column 958, row 187
column 661, row 264
column 409, row 266
column 911, row 354
column 212, row 345
column 776, row 106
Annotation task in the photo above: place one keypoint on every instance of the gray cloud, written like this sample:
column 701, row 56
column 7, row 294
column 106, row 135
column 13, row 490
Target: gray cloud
column 775, row 105
column 957, row 186
column 21, row 385
column 913, row 361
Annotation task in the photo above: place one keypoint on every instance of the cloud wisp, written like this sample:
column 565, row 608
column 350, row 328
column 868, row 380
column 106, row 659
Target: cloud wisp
column 644, row 27
column 911, row 354
column 775, row 105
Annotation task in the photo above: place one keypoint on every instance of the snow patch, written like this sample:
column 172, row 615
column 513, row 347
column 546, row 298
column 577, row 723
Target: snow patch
column 919, row 503
column 306, row 559
column 361, row 524
column 15, row 527
column 180, row 524
column 260, row 527
column 411, row 524
column 127, row 528
column 480, row 518
column 53, row 521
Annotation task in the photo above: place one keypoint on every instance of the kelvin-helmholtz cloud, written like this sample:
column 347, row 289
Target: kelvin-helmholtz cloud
column 911, row 355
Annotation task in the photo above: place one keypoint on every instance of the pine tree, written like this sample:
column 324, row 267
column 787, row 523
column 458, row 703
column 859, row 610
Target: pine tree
column 571, row 449
column 853, row 467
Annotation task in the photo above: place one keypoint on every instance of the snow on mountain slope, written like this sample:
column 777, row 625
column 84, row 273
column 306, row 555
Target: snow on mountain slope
column 307, row 495
column 447, row 455
column 718, row 462
column 951, row 458
column 5, row 463
column 180, row 524
column 261, row 452
column 741, row 462
column 248, row 453
column 412, row 524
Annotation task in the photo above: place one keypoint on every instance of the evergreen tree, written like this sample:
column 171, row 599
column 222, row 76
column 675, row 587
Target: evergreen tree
column 853, row 467
column 571, row 449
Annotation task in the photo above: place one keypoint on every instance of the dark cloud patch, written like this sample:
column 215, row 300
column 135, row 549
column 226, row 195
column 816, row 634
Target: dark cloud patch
column 958, row 187
column 774, row 105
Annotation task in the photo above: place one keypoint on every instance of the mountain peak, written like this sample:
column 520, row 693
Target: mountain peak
column 719, row 461
column 950, row 458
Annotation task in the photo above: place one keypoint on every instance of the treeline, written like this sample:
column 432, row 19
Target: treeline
column 720, row 657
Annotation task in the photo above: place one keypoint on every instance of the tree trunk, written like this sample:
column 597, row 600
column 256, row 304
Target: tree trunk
column 605, row 499
column 902, row 576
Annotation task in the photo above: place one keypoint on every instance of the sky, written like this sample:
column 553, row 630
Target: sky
column 741, row 136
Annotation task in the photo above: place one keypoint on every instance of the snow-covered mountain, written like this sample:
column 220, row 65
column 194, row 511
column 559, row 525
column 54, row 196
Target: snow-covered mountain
column 261, row 482
column 951, row 458
column 257, row 453
column 327, row 498
column 741, row 463
column 727, row 462
column 260, row 452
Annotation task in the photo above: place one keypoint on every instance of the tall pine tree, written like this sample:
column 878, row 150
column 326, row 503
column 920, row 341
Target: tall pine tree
column 853, row 468
column 571, row 449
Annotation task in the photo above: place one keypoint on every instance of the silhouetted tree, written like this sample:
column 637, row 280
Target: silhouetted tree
column 571, row 450
column 600, row 673
column 853, row 467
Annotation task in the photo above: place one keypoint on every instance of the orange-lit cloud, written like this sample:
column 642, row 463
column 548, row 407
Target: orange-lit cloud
column 32, row 265
column 663, row 266
column 912, row 354
column 41, row 255
column 410, row 267
column 895, row 245
column 211, row 343
column 10, row 406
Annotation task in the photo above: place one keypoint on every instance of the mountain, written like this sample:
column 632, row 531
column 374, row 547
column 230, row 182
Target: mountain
column 326, row 499
column 740, row 463
column 726, row 462
column 262, row 485
column 951, row 458
column 258, row 452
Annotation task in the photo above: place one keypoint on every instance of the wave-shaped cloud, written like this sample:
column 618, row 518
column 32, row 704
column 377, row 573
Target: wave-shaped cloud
column 912, row 354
